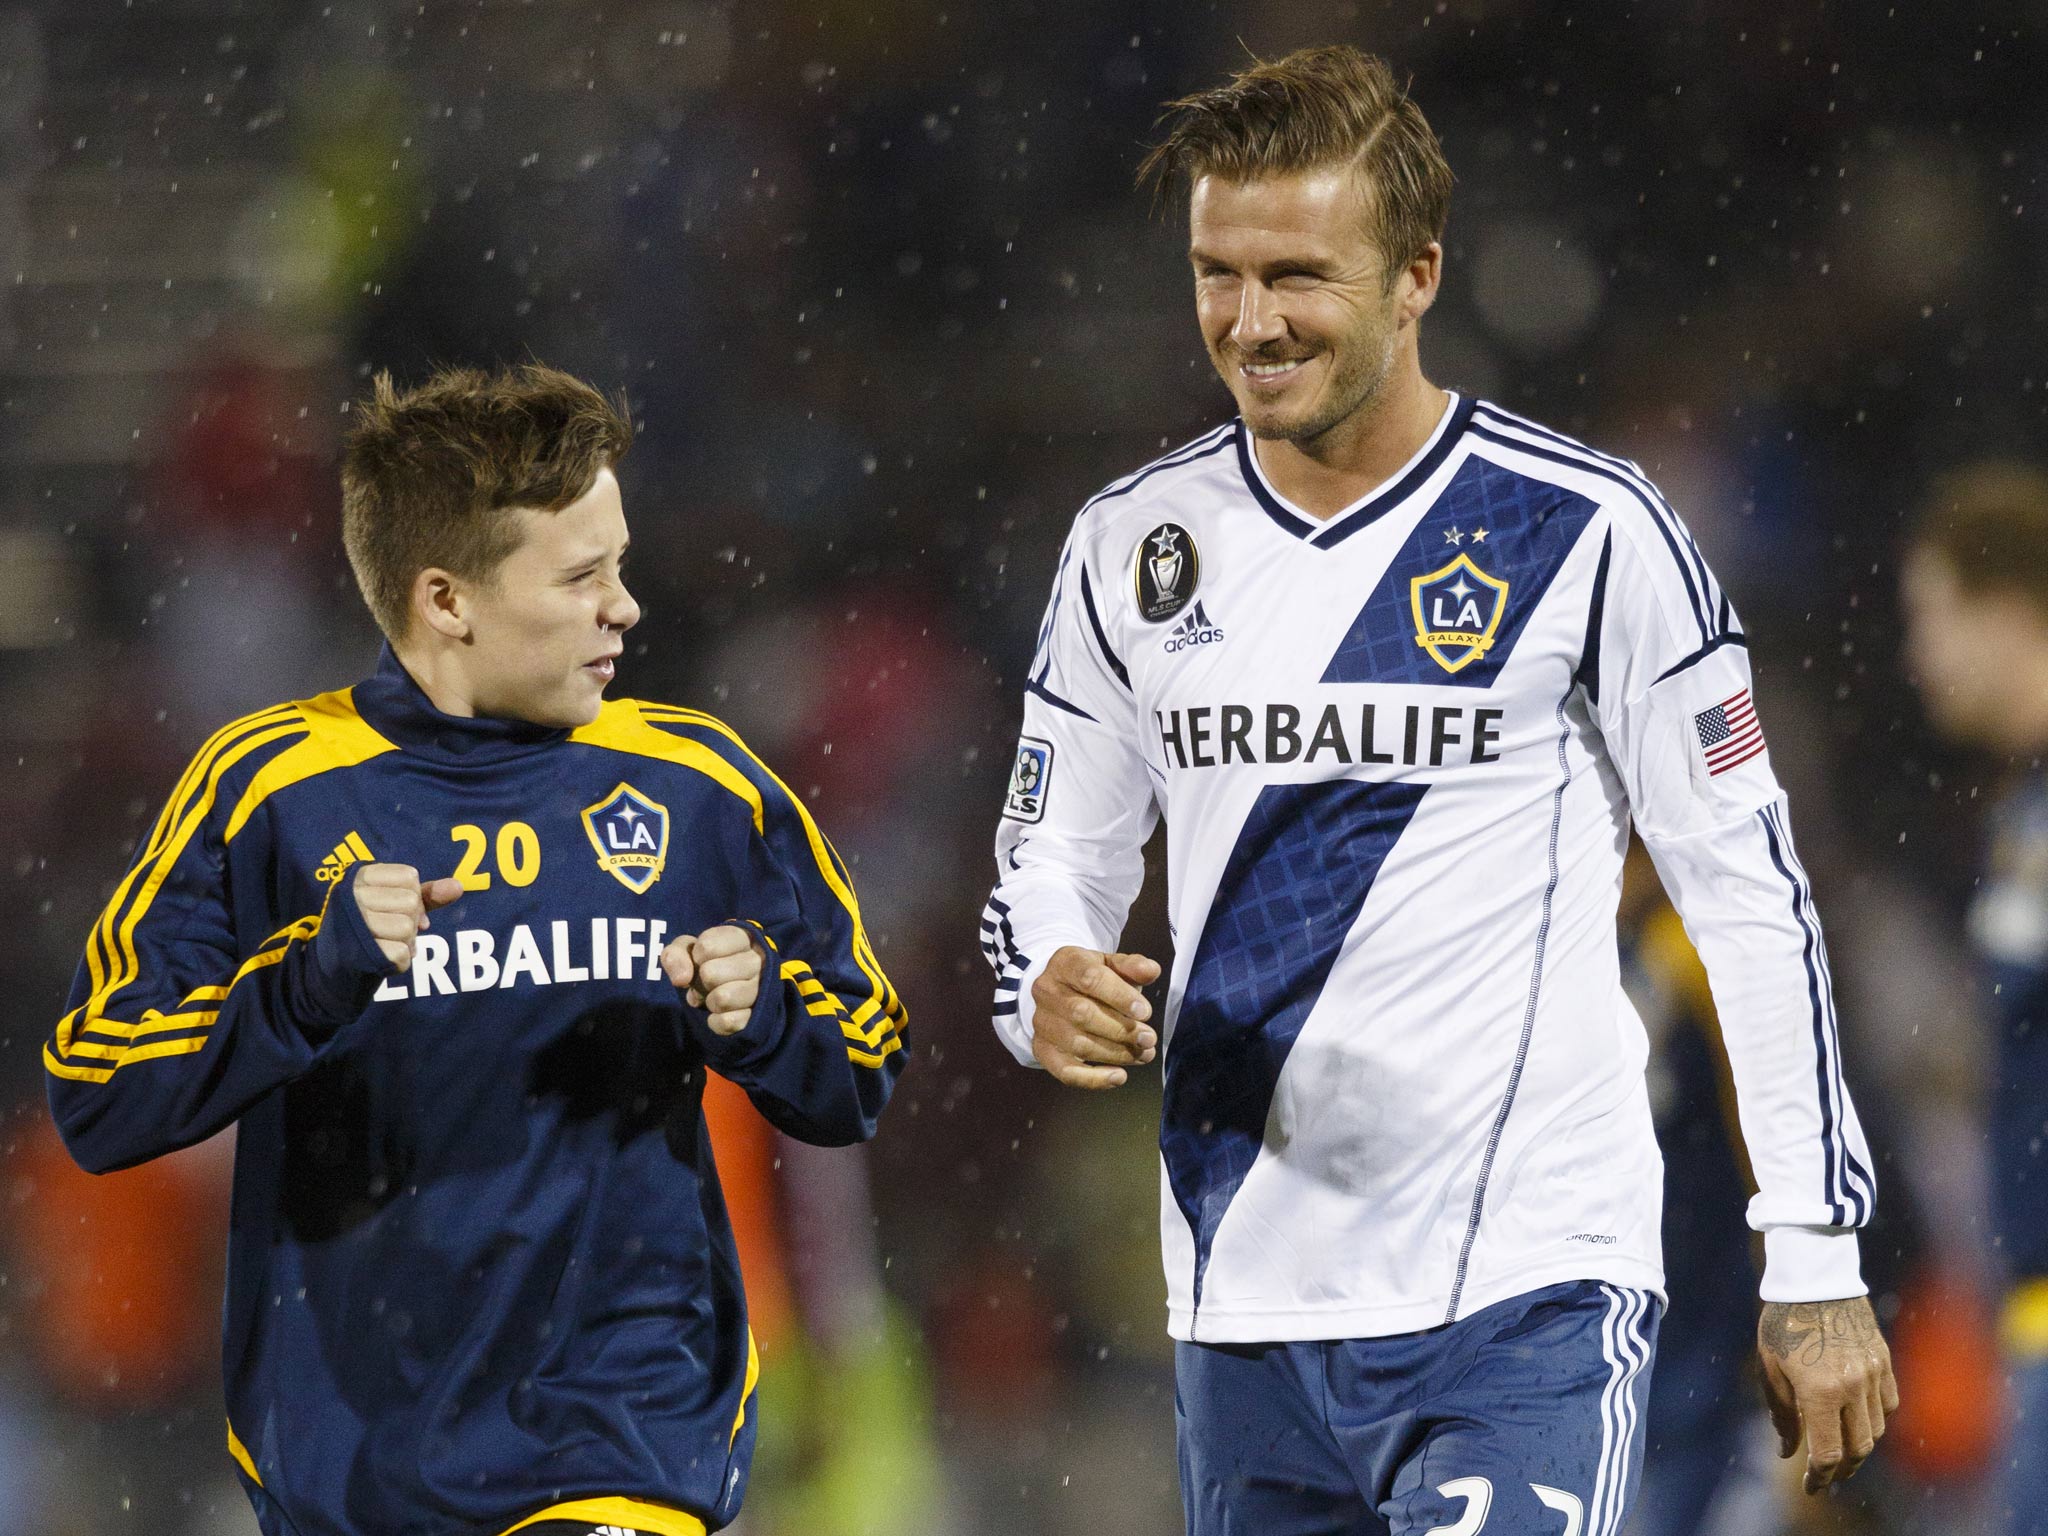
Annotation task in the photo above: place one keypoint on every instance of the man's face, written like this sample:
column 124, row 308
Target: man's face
column 1292, row 298
column 546, row 627
column 1959, row 676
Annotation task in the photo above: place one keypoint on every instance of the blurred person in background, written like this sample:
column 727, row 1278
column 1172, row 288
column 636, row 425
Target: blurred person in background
column 481, row 1276
column 1975, row 596
column 1410, row 1184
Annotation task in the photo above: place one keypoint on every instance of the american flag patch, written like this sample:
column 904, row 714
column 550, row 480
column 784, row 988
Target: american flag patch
column 1730, row 733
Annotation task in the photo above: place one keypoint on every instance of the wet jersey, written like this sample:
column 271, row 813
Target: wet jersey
column 1398, row 751
column 480, row 1266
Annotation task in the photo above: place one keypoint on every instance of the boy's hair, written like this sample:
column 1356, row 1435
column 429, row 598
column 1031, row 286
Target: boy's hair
column 1314, row 109
column 1989, row 522
column 430, row 472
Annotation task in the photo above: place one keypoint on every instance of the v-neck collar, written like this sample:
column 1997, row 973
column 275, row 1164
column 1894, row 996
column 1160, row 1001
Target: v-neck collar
column 1323, row 532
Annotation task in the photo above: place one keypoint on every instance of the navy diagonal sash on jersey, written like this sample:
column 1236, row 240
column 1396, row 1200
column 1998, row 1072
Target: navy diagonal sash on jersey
column 1530, row 526
column 1294, row 884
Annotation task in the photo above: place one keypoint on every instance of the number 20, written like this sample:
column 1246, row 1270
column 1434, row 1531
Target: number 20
column 518, row 855
column 1477, row 1492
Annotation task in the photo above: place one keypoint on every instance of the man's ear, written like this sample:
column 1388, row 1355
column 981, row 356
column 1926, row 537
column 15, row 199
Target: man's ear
column 1419, row 282
column 441, row 603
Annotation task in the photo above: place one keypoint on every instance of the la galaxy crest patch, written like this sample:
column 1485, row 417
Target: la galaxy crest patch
column 1168, row 568
column 630, row 833
column 1458, row 609
column 1029, row 779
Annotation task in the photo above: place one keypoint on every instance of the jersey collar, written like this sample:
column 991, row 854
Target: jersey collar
column 1323, row 532
column 396, row 706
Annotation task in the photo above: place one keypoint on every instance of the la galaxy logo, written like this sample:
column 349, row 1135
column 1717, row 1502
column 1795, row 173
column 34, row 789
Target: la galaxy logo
column 630, row 833
column 1168, row 569
column 1456, row 620
column 1026, row 800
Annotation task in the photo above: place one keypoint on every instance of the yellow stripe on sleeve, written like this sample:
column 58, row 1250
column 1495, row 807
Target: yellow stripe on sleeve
column 241, row 1454
column 880, row 1036
column 58, row 1068
column 337, row 737
column 126, row 964
column 118, row 1056
column 151, row 1023
column 102, row 936
column 631, row 1513
column 883, row 996
column 746, row 1390
column 330, row 735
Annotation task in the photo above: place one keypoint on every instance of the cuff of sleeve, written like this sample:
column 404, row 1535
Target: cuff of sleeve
column 1014, row 1029
column 1812, row 1264
column 339, row 968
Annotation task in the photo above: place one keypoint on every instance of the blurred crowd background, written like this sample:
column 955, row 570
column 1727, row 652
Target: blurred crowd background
column 888, row 309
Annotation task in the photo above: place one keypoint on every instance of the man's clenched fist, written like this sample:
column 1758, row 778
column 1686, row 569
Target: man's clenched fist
column 1092, row 1021
column 718, row 970
column 395, row 903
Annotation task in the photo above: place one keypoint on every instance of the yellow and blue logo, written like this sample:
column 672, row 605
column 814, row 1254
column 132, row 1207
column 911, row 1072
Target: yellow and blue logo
column 630, row 833
column 1458, row 609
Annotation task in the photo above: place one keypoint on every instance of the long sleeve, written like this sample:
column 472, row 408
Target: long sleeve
column 173, row 1026
column 1070, row 845
column 821, row 1053
column 1668, row 675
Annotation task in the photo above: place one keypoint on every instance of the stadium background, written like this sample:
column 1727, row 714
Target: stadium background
column 888, row 309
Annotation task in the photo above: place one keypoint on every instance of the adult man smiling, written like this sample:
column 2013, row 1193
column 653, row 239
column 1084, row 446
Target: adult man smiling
column 1410, row 1189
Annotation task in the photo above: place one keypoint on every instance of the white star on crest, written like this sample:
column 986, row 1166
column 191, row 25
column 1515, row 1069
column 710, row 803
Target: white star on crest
column 628, row 815
column 1166, row 543
column 1454, row 537
column 1461, row 591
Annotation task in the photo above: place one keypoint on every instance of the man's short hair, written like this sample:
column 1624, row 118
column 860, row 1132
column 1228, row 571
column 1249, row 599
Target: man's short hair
column 430, row 472
column 1316, row 109
column 1989, row 522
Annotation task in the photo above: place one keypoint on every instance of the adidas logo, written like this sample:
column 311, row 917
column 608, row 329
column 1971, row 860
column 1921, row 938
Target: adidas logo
column 350, row 850
column 1195, row 629
column 611, row 1530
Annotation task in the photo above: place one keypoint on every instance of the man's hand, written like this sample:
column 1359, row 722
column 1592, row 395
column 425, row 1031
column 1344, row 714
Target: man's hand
column 1826, row 1367
column 1092, row 1021
column 718, row 970
column 395, row 903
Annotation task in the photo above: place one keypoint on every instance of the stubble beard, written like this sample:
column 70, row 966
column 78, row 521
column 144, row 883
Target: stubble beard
column 1353, row 391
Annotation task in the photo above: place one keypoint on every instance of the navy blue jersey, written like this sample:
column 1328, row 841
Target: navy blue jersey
column 480, row 1266
column 2009, row 926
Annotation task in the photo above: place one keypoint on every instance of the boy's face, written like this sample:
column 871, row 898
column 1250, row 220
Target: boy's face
column 546, row 628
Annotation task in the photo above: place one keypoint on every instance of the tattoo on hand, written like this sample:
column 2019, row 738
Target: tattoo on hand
column 1806, row 1330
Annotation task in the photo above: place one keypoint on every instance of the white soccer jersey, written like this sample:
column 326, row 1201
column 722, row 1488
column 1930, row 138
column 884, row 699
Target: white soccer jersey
column 1398, row 751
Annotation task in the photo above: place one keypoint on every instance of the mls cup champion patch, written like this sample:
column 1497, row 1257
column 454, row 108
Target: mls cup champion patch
column 1458, row 609
column 1028, row 780
column 1168, row 569
column 630, row 833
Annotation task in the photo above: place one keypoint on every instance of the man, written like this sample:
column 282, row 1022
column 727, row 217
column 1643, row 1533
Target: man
column 481, row 1277
column 1975, row 585
column 1399, row 668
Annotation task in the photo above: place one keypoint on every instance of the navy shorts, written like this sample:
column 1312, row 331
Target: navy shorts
column 1525, row 1419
